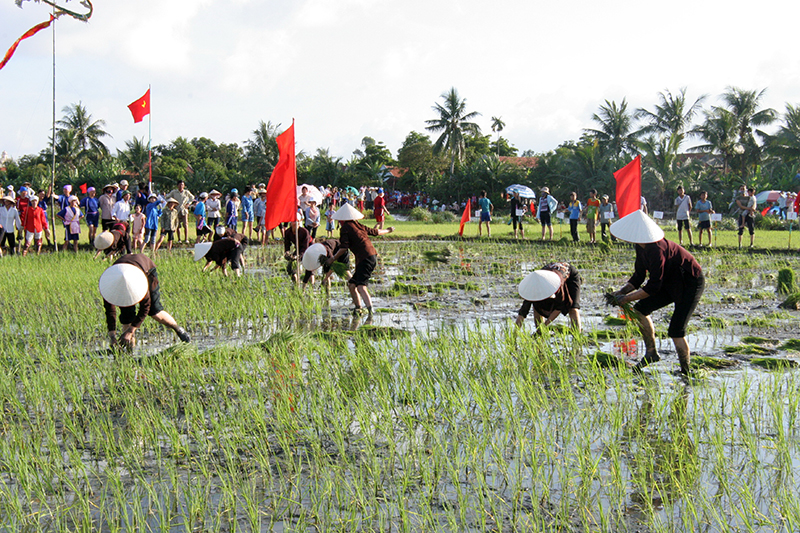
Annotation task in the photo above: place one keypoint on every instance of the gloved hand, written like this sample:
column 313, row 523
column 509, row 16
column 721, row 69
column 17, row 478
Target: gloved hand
column 618, row 297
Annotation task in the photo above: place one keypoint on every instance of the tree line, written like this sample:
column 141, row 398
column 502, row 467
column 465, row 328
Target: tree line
column 682, row 142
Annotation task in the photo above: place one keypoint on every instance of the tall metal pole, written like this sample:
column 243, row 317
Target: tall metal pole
column 150, row 146
column 53, row 143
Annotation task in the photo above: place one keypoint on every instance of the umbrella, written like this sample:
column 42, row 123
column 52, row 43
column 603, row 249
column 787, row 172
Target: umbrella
column 352, row 190
column 524, row 192
column 313, row 192
column 767, row 196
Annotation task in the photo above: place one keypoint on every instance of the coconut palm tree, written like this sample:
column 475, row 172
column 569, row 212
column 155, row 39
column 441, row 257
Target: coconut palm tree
column 719, row 134
column 786, row 142
column 86, row 133
column 744, row 107
column 135, row 157
column 615, row 134
column 671, row 117
column 261, row 150
column 497, row 127
column 453, row 121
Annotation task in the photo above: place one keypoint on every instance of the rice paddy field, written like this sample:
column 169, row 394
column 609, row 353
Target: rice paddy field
column 288, row 413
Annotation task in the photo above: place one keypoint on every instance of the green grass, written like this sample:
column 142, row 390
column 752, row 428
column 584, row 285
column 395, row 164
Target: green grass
column 288, row 414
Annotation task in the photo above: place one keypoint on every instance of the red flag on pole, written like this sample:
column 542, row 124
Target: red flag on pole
column 141, row 107
column 30, row 33
column 84, row 187
column 282, row 186
column 629, row 187
column 464, row 218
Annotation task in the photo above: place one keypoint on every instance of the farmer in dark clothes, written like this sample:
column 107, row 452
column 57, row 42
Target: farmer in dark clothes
column 291, row 237
column 354, row 236
column 114, row 241
column 552, row 291
column 674, row 276
column 132, row 280
column 223, row 252
column 316, row 256
column 222, row 232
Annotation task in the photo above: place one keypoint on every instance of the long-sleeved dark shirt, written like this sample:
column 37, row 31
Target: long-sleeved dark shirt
column 667, row 263
column 302, row 235
column 146, row 265
column 354, row 236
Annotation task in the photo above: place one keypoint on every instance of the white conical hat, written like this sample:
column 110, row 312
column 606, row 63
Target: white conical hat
column 201, row 249
column 347, row 212
column 103, row 240
column 123, row 285
column 311, row 257
column 637, row 228
column 220, row 230
column 539, row 285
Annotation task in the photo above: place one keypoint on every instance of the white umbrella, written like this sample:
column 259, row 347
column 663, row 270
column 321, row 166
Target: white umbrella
column 313, row 192
column 524, row 191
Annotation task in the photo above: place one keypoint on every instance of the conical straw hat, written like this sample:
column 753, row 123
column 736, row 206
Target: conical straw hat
column 637, row 228
column 201, row 249
column 103, row 240
column 347, row 212
column 311, row 259
column 539, row 285
column 123, row 285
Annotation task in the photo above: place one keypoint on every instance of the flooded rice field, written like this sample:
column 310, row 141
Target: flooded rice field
column 288, row 413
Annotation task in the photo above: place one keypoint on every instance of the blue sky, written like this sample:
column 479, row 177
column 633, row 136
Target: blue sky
column 345, row 69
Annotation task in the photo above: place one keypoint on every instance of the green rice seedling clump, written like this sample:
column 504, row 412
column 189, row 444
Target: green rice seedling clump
column 792, row 302
column 748, row 349
column 786, row 281
column 791, row 345
column 774, row 363
column 714, row 363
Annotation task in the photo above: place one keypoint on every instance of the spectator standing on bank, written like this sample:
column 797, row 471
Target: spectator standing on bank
column 747, row 214
column 605, row 220
column 106, row 203
column 574, row 208
column 592, row 212
column 684, row 204
column 486, row 214
column 704, row 211
column 184, row 198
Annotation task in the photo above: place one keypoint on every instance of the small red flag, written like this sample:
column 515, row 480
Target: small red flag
column 464, row 218
column 141, row 107
column 30, row 33
column 83, row 188
column 629, row 187
column 282, row 186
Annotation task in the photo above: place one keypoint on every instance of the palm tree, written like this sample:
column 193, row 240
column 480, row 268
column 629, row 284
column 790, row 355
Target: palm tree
column 261, row 150
column 718, row 131
column 671, row 117
column 497, row 127
column 786, row 142
column 453, row 121
column 135, row 157
column 744, row 106
column 615, row 133
column 85, row 132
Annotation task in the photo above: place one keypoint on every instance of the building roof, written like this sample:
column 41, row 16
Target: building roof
column 524, row 162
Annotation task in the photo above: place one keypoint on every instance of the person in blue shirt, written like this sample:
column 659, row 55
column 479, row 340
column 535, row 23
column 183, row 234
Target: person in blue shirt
column 247, row 212
column 152, row 213
column 91, row 209
column 486, row 213
column 574, row 208
column 232, row 210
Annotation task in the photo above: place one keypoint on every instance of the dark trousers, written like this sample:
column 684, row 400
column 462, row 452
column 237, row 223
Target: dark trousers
column 573, row 228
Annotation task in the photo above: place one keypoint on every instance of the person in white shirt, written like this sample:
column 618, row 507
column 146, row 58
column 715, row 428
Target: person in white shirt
column 121, row 211
column 684, row 204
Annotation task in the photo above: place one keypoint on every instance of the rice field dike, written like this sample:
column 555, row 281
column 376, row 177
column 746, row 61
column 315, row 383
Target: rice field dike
column 288, row 413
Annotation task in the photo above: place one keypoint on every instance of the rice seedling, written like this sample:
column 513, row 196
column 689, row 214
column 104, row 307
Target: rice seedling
column 282, row 417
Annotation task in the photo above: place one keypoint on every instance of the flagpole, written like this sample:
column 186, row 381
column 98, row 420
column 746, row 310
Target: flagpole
column 150, row 145
column 53, row 142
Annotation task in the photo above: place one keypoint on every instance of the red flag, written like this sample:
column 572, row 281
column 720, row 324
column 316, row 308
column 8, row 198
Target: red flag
column 141, row 107
column 629, row 187
column 30, row 33
column 464, row 218
column 83, row 188
column 282, row 186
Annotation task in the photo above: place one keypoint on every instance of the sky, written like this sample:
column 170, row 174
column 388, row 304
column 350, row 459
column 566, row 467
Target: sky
column 347, row 69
